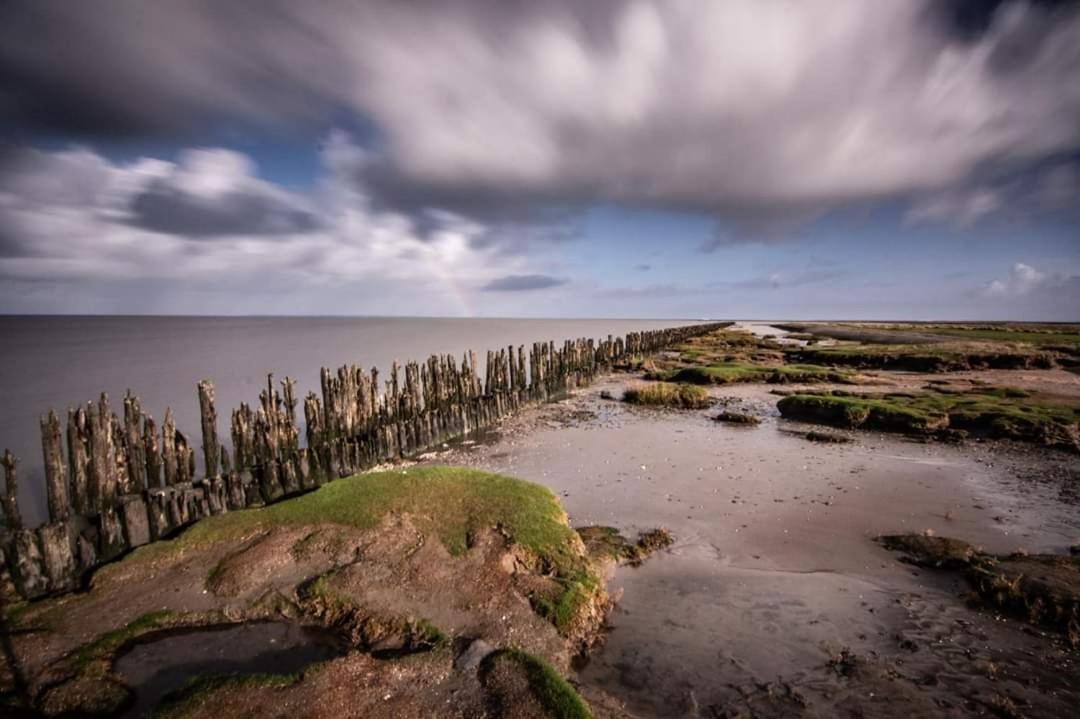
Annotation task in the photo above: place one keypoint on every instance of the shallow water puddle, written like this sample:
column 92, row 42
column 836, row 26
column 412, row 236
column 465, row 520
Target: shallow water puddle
column 155, row 668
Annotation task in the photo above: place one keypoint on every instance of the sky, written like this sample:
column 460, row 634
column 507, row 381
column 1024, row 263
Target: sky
column 797, row 159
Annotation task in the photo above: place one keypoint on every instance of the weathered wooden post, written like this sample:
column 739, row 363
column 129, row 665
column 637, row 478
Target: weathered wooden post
column 79, row 459
column 56, row 488
column 152, row 448
column 104, row 464
column 208, row 417
column 10, row 499
column 168, row 447
column 135, row 451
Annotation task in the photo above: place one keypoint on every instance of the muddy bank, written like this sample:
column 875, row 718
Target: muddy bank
column 410, row 579
column 775, row 599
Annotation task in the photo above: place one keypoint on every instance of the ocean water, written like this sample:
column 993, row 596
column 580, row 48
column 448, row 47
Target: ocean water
column 57, row 362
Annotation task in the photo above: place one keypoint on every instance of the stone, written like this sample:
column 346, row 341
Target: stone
column 469, row 660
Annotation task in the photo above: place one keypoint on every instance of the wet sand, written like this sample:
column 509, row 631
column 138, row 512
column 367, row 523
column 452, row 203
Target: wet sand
column 775, row 570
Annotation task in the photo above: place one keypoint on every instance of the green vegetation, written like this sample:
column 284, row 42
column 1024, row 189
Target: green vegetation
column 942, row 357
column 607, row 542
column 996, row 411
column 736, row 372
column 730, row 417
column 555, row 695
column 188, row 700
column 446, row 502
column 663, row 394
column 1051, row 335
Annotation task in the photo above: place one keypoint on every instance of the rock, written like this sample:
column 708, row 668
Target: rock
column 469, row 660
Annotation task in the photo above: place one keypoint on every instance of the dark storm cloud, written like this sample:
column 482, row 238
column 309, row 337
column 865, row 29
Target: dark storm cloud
column 165, row 208
column 522, row 283
column 517, row 114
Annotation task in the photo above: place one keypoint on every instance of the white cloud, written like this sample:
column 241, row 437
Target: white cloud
column 76, row 217
column 737, row 107
column 1022, row 280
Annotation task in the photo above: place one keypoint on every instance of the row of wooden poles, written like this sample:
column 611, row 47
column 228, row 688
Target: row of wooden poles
column 123, row 483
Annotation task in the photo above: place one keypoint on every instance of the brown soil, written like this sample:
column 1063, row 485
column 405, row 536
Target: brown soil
column 390, row 592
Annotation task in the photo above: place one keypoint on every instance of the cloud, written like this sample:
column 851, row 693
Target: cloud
column 522, row 283
column 746, row 110
column 1051, row 188
column 1026, row 292
column 1022, row 280
column 74, row 219
column 783, row 280
column 213, row 192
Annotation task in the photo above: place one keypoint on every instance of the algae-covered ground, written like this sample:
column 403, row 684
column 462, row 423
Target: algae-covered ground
column 667, row 394
column 1042, row 589
column 999, row 412
column 733, row 356
column 937, row 347
column 454, row 592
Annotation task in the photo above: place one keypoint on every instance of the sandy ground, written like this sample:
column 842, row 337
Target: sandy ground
column 776, row 574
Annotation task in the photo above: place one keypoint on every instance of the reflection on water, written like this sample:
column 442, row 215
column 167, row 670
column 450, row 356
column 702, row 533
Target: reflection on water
column 158, row 667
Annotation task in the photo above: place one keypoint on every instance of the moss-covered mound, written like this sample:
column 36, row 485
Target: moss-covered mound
column 937, row 357
column 996, row 412
column 664, row 394
column 549, row 695
column 607, row 543
column 1041, row 589
column 745, row 372
column 400, row 565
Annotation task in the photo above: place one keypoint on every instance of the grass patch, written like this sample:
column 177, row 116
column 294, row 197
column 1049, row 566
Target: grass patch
column 609, row 543
column 994, row 411
column 664, row 394
column 744, row 372
column 941, row 357
column 445, row 502
column 1024, row 332
column 555, row 695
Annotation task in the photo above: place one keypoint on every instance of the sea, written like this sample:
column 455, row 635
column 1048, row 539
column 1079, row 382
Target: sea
column 57, row 362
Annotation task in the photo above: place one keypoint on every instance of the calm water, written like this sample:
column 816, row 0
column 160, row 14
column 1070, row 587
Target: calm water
column 58, row 362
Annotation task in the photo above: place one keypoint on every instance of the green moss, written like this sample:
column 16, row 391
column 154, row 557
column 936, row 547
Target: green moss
column 997, row 411
column 663, row 394
column 742, row 372
column 189, row 699
column 431, row 634
column 941, row 357
column 446, row 502
column 555, row 695
column 608, row 543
